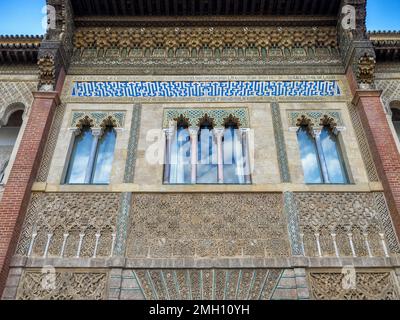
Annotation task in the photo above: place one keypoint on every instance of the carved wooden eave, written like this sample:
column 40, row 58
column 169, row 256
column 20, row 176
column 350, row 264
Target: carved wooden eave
column 196, row 8
column 386, row 45
column 19, row 49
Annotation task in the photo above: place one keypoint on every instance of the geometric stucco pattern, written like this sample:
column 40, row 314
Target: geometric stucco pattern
column 15, row 92
column 208, row 284
column 97, row 118
column 70, row 225
column 218, row 116
column 368, row 286
column 391, row 92
column 363, row 143
column 207, row 225
column 51, row 144
column 345, row 224
column 63, row 285
column 316, row 117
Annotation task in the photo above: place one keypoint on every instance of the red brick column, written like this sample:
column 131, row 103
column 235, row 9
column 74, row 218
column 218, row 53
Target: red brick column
column 17, row 191
column 383, row 147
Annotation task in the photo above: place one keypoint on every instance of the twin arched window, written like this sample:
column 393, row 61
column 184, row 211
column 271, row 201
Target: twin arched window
column 321, row 156
column 92, row 156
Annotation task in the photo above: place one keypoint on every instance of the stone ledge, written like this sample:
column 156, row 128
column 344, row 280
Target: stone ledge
column 192, row 263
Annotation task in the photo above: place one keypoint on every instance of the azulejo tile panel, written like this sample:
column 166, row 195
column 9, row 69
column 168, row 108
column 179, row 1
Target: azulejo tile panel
column 218, row 115
column 173, row 89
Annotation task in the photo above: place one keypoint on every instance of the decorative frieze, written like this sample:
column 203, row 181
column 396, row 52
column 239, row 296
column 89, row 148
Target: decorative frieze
column 205, row 43
column 315, row 118
column 98, row 118
column 366, row 286
column 218, row 116
column 62, row 284
column 345, row 224
column 70, row 225
column 185, row 89
column 207, row 225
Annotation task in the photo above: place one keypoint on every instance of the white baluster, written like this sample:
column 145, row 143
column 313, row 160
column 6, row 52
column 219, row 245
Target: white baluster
column 49, row 235
column 78, row 252
column 64, row 244
column 318, row 245
column 385, row 250
column 335, row 244
column 32, row 243
column 112, row 244
column 353, row 251
column 96, row 245
column 367, row 245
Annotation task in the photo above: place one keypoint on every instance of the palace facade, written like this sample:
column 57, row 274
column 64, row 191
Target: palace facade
column 200, row 149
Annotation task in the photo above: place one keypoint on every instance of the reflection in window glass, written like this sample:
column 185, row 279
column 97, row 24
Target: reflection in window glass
column 104, row 157
column 233, row 157
column 333, row 158
column 80, row 157
column 207, row 167
column 309, row 157
column 180, row 160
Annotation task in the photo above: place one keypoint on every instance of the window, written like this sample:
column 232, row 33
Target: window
column 205, row 154
column 321, row 156
column 8, row 137
column 92, row 156
column 396, row 121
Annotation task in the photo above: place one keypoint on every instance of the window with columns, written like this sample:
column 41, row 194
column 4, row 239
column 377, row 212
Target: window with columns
column 206, row 154
column 92, row 154
column 320, row 153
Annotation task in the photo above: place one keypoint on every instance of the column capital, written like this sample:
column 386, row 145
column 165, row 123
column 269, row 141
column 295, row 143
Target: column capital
column 193, row 131
column 219, row 132
column 97, row 132
column 169, row 132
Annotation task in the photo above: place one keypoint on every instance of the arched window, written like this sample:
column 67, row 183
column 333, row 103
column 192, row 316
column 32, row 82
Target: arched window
column 309, row 156
column 207, row 166
column 396, row 120
column 180, row 168
column 92, row 156
column 233, row 155
column 8, row 137
column 321, row 156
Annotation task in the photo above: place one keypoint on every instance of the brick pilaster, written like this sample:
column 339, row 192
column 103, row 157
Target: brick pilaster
column 18, row 188
column 383, row 147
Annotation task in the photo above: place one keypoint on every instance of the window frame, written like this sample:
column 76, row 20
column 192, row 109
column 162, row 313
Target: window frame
column 97, row 135
column 315, row 135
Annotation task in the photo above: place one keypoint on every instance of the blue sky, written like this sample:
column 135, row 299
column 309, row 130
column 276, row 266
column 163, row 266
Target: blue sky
column 25, row 16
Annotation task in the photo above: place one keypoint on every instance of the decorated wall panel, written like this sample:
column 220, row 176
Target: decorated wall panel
column 207, row 225
column 63, row 284
column 204, row 284
column 371, row 285
column 345, row 224
column 70, row 225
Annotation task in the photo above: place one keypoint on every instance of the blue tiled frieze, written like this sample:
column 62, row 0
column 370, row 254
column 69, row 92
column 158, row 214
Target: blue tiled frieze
column 176, row 89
